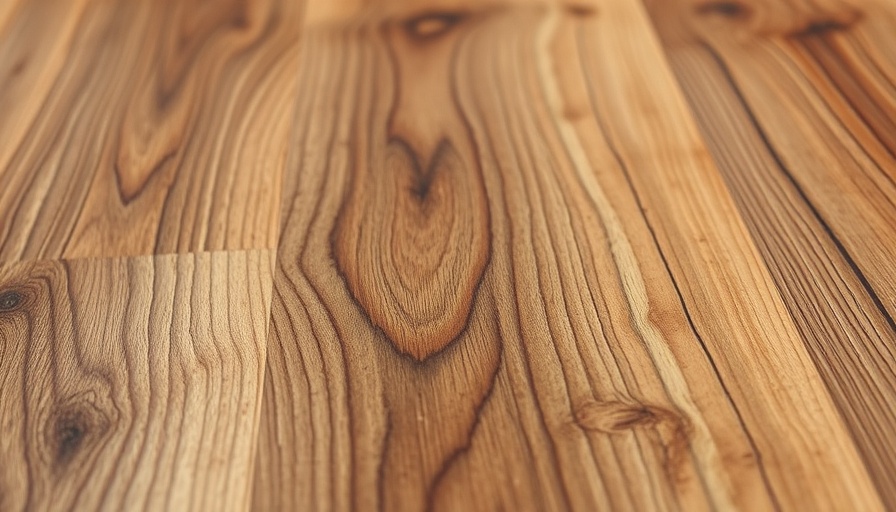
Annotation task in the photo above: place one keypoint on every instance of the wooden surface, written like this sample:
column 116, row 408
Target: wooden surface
column 134, row 128
column 132, row 383
column 795, row 107
column 449, row 255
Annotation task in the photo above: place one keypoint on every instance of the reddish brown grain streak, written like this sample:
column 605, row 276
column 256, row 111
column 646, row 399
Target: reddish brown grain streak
column 850, row 81
column 127, row 196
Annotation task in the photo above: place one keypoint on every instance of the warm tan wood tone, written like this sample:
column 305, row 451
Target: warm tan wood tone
column 517, row 267
column 801, row 124
column 131, row 384
column 601, row 333
column 143, row 126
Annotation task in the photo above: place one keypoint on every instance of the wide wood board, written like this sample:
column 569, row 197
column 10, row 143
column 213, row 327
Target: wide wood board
column 447, row 255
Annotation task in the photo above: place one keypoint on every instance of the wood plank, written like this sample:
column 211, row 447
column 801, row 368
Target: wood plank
column 131, row 384
column 797, row 121
column 510, row 277
column 141, row 127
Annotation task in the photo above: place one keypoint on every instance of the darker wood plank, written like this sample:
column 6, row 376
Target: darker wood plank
column 798, row 119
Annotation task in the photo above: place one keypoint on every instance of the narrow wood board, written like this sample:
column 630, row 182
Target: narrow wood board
column 135, row 127
column 795, row 102
column 511, row 277
column 132, row 384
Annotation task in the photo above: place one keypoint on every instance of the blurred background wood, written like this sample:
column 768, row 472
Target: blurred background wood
column 142, row 127
column 796, row 105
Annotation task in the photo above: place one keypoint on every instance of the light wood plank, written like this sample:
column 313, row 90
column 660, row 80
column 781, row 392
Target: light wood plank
column 132, row 384
column 140, row 127
column 510, row 277
column 796, row 171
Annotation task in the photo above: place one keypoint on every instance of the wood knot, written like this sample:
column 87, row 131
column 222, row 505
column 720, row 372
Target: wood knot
column 431, row 25
column 73, row 428
column 239, row 21
column 670, row 430
column 421, row 186
column 424, row 174
column 725, row 9
column 11, row 300
column 820, row 28
column 580, row 10
column 70, row 431
column 18, row 68
column 615, row 417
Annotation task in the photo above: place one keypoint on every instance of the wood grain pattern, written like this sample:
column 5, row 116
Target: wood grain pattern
column 600, row 334
column 813, row 220
column 428, row 208
column 141, row 127
column 131, row 384
column 516, row 267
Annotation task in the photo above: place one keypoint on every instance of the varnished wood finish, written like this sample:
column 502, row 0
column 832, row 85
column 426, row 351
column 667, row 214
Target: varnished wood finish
column 131, row 383
column 799, row 118
column 140, row 127
column 588, row 255
column 625, row 347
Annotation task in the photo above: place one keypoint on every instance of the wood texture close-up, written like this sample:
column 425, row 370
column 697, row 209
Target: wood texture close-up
column 131, row 383
column 588, row 255
column 144, row 127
